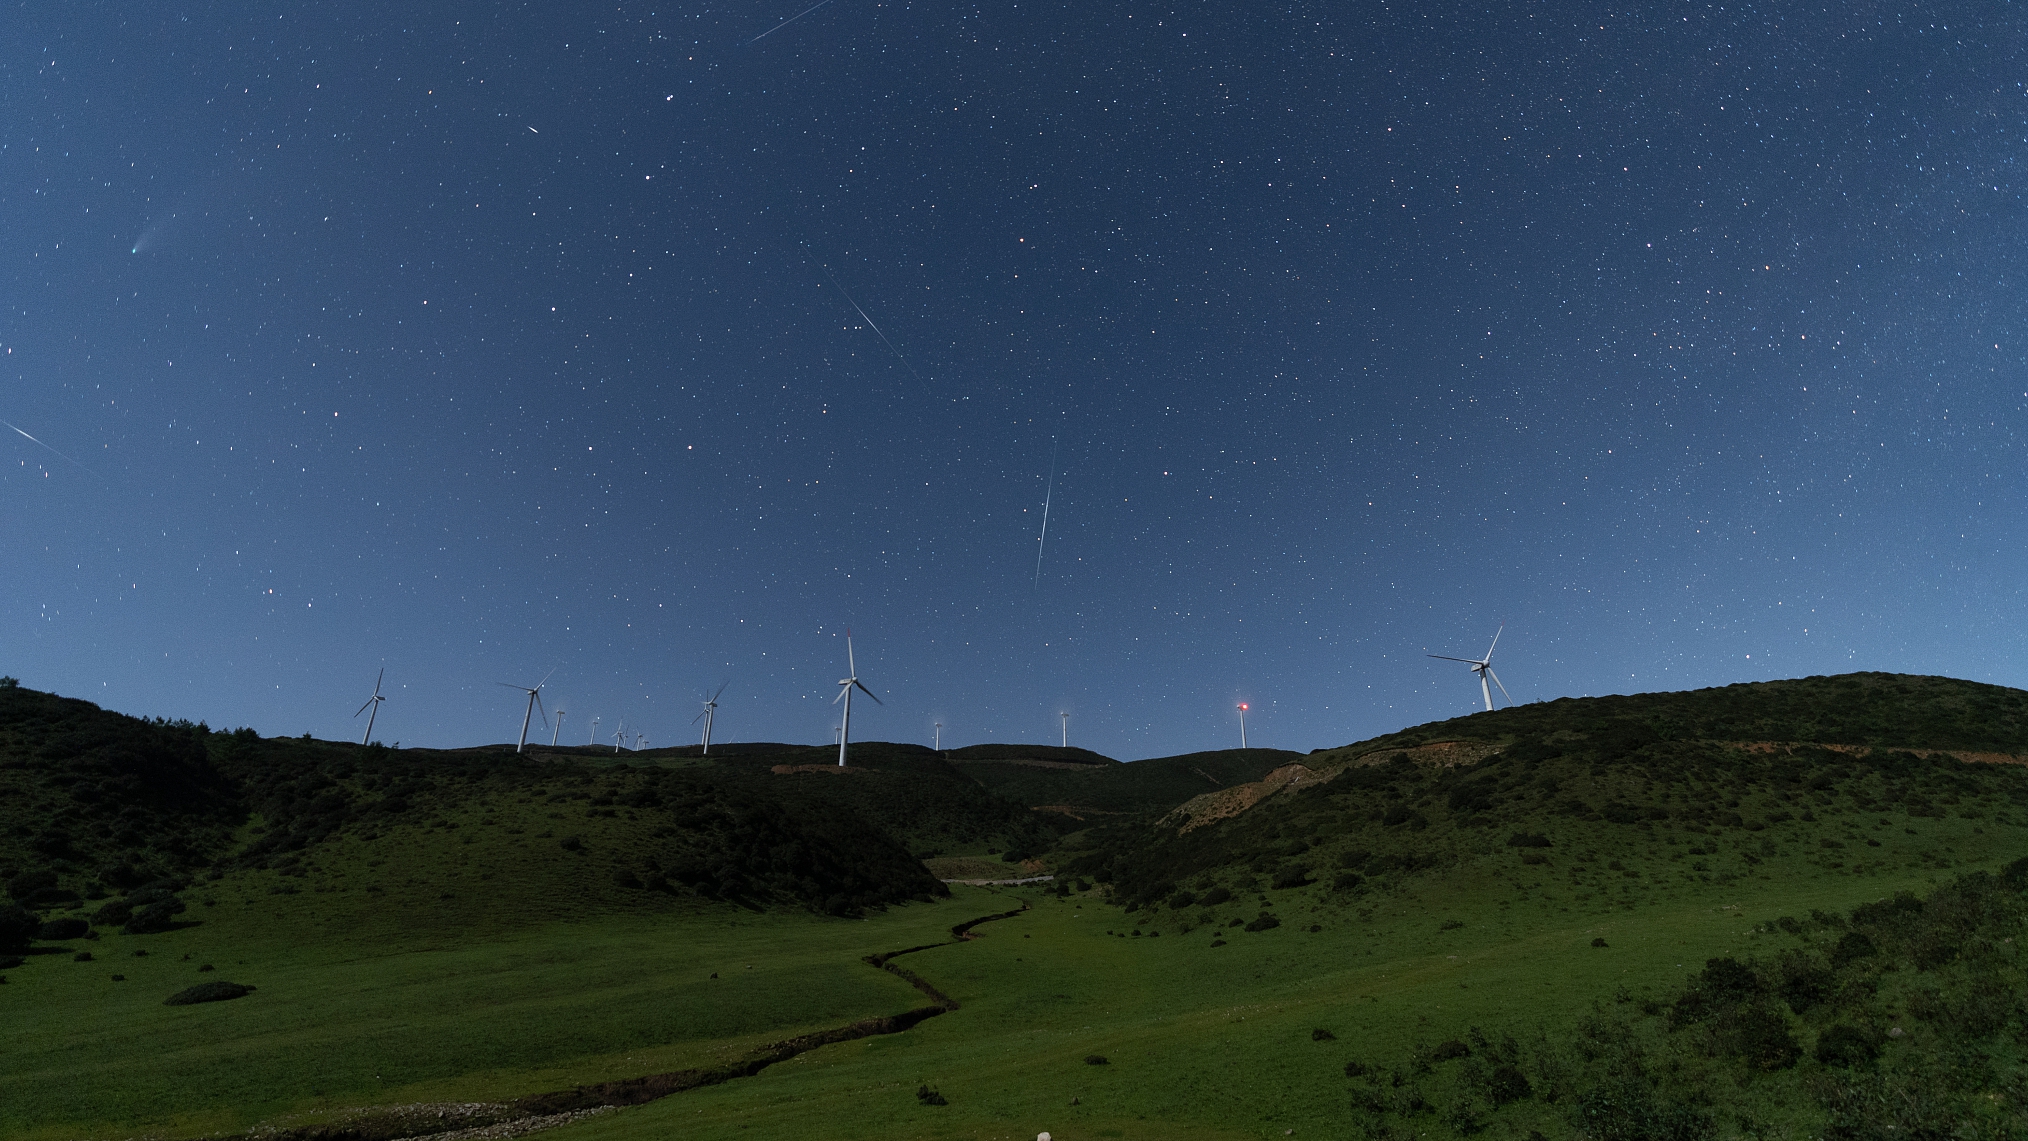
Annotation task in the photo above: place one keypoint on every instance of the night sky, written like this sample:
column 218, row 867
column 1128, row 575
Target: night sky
column 658, row 344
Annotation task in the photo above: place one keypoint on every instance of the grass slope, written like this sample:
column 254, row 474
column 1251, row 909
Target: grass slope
column 1093, row 792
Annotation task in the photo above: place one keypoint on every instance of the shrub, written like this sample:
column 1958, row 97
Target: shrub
column 219, row 991
column 1851, row 946
column 81, row 957
column 1598, row 941
column 1214, row 897
column 1346, row 881
column 1451, row 925
column 571, row 843
column 1355, row 1069
column 18, row 926
column 30, row 883
column 626, row 878
column 66, row 928
column 1096, row 1060
column 1291, row 877
column 1534, row 858
column 1528, row 840
column 1266, row 922
column 1847, row 1047
column 1181, row 900
column 1449, row 1048
column 1506, row 1084
column 113, row 914
column 155, row 917
column 1322, row 1035
column 927, row 1096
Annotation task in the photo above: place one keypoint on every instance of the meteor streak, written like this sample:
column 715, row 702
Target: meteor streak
column 1048, row 494
column 787, row 22
column 46, row 447
column 876, row 329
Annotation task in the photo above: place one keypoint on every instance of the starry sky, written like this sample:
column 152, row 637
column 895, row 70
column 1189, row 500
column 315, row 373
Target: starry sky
column 656, row 345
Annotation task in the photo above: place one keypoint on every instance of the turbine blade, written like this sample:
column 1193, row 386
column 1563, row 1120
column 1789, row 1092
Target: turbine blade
column 699, row 717
column 1496, row 640
column 842, row 691
column 868, row 692
column 1503, row 689
column 536, row 693
column 1448, row 658
column 547, row 676
column 721, row 688
column 851, row 667
column 362, row 709
column 511, row 685
column 377, row 680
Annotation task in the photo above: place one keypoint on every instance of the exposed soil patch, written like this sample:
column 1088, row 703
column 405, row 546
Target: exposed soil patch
column 1212, row 807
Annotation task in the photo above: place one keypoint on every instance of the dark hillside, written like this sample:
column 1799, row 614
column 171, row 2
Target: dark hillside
column 908, row 792
column 1873, row 709
column 92, row 801
column 1155, row 785
column 1029, row 753
column 1579, row 784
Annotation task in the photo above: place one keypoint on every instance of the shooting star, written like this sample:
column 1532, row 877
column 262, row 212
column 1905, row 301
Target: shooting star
column 876, row 331
column 787, row 22
column 1047, row 495
column 46, row 447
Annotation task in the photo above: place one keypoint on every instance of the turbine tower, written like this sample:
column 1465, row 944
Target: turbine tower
column 1066, row 729
column 1242, row 725
column 939, row 738
column 710, row 707
column 1484, row 668
column 593, row 739
column 534, row 702
column 559, row 727
column 846, row 685
column 619, row 735
column 373, row 703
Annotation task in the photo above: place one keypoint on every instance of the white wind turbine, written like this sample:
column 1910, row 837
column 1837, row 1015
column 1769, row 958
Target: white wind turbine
column 619, row 735
column 1066, row 729
column 559, row 727
column 710, row 708
column 939, row 738
column 373, row 703
column 594, row 738
column 534, row 703
column 1484, row 668
column 1242, row 725
column 845, row 687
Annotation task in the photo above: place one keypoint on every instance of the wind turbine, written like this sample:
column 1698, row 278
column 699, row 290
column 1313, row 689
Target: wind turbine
column 1242, row 725
column 559, row 727
column 939, row 738
column 619, row 735
column 594, row 738
column 1484, row 668
column 845, row 687
column 710, row 707
column 1066, row 729
column 534, row 701
column 373, row 703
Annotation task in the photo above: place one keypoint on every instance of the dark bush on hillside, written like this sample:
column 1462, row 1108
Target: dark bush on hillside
column 1346, row 881
column 66, row 928
column 1846, row 1047
column 1214, row 897
column 1398, row 814
column 18, row 926
column 571, row 843
column 1528, row 840
column 627, row 879
column 1266, row 922
column 1354, row 858
column 1598, row 941
column 1448, row 1049
column 927, row 1096
column 1757, row 1033
column 1355, row 1069
column 1852, row 946
column 114, row 914
column 1508, row 1084
column 29, row 884
column 1095, row 1060
column 1322, row 1035
column 156, row 917
column 1291, row 877
column 1181, row 900
column 219, row 991
column 1534, row 858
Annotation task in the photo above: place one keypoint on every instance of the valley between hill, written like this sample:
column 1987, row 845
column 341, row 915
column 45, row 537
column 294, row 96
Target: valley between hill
column 1504, row 925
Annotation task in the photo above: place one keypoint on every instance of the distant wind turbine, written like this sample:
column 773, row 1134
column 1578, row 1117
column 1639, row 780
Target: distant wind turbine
column 534, row 703
column 1484, row 668
column 619, row 735
column 559, row 727
column 1066, row 729
column 710, row 708
column 593, row 739
column 1242, row 725
column 846, row 685
column 939, row 738
column 374, row 704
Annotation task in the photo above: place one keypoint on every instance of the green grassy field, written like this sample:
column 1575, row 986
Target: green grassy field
column 1201, row 1040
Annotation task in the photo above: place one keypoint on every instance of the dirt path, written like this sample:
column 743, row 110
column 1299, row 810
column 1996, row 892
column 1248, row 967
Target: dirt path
column 538, row 1112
